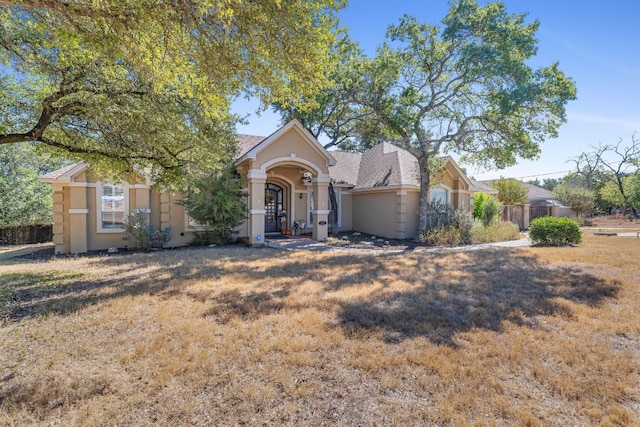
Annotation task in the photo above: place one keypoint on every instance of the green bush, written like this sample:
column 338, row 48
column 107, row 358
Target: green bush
column 141, row 234
column 478, row 203
column 552, row 231
column 499, row 231
column 486, row 208
column 491, row 210
column 217, row 204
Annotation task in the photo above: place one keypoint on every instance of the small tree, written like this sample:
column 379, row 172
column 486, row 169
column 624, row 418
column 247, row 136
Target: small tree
column 486, row 208
column 478, row 203
column 510, row 191
column 216, row 203
column 491, row 210
column 577, row 197
column 612, row 165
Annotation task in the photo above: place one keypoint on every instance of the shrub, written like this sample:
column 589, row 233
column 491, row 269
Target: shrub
column 216, row 203
column 478, row 203
column 447, row 226
column 552, row 231
column 499, row 231
column 141, row 234
column 463, row 222
column 491, row 210
column 442, row 236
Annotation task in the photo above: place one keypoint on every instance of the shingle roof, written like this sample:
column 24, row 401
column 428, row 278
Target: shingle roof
column 533, row 191
column 247, row 142
column 346, row 169
column 60, row 172
column 384, row 165
column 481, row 187
column 537, row 193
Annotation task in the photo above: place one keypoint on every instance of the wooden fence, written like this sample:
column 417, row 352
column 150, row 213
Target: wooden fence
column 26, row 234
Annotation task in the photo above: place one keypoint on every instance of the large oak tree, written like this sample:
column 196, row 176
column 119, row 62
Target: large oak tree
column 466, row 87
column 129, row 84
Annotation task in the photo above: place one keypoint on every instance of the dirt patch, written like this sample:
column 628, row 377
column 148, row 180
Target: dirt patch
column 611, row 221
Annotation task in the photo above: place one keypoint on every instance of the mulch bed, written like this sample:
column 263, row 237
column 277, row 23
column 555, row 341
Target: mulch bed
column 368, row 241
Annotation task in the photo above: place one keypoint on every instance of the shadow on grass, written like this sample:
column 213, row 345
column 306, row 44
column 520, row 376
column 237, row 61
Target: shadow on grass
column 496, row 286
column 438, row 295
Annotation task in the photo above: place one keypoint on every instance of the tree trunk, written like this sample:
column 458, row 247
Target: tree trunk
column 423, row 201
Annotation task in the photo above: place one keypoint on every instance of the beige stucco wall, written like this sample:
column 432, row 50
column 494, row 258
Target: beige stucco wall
column 564, row 211
column 375, row 213
column 138, row 199
column 154, row 205
column 346, row 210
column 292, row 146
column 412, row 200
column 76, row 214
column 390, row 214
column 281, row 160
column 301, row 201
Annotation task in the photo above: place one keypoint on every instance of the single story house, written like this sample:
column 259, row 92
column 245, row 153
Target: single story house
column 374, row 192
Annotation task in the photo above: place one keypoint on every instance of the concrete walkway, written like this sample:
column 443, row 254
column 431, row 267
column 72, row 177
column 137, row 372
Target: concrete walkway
column 635, row 234
column 296, row 243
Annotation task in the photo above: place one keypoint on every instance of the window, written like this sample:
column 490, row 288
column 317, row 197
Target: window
column 192, row 224
column 112, row 207
column 440, row 195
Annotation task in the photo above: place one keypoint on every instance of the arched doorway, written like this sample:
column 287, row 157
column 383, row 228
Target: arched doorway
column 273, row 206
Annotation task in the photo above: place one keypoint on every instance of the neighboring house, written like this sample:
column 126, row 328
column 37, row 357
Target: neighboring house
column 542, row 203
column 539, row 203
column 375, row 192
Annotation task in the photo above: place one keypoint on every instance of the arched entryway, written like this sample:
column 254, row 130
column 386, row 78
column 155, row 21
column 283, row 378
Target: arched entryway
column 273, row 207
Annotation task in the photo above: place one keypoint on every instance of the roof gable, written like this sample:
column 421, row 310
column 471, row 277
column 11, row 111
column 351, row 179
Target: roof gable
column 292, row 125
column 64, row 174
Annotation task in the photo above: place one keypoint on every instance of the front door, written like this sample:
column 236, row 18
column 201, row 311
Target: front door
column 273, row 207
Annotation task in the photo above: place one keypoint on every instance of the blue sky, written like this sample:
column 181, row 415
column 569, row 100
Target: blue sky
column 596, row 43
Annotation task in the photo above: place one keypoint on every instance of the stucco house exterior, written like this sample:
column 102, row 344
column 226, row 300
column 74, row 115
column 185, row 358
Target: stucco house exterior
column 375, row 192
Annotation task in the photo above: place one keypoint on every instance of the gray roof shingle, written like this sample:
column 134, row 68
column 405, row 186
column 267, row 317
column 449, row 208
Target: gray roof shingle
column 60, row 172
column 247, row 142
column 346, row 169
column 385, row 165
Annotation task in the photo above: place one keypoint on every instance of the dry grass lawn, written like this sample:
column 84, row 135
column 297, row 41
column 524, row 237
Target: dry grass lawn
column 235, row 336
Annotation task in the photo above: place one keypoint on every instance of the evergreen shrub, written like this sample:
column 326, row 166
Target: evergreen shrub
column 553, row 231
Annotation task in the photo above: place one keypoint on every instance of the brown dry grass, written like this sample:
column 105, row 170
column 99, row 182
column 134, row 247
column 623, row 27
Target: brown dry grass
column 234, row 336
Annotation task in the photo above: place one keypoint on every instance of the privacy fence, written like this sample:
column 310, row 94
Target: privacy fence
column 522, row 215
column 26, row 234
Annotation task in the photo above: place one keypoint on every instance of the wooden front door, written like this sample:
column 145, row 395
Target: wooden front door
column 273, row 206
